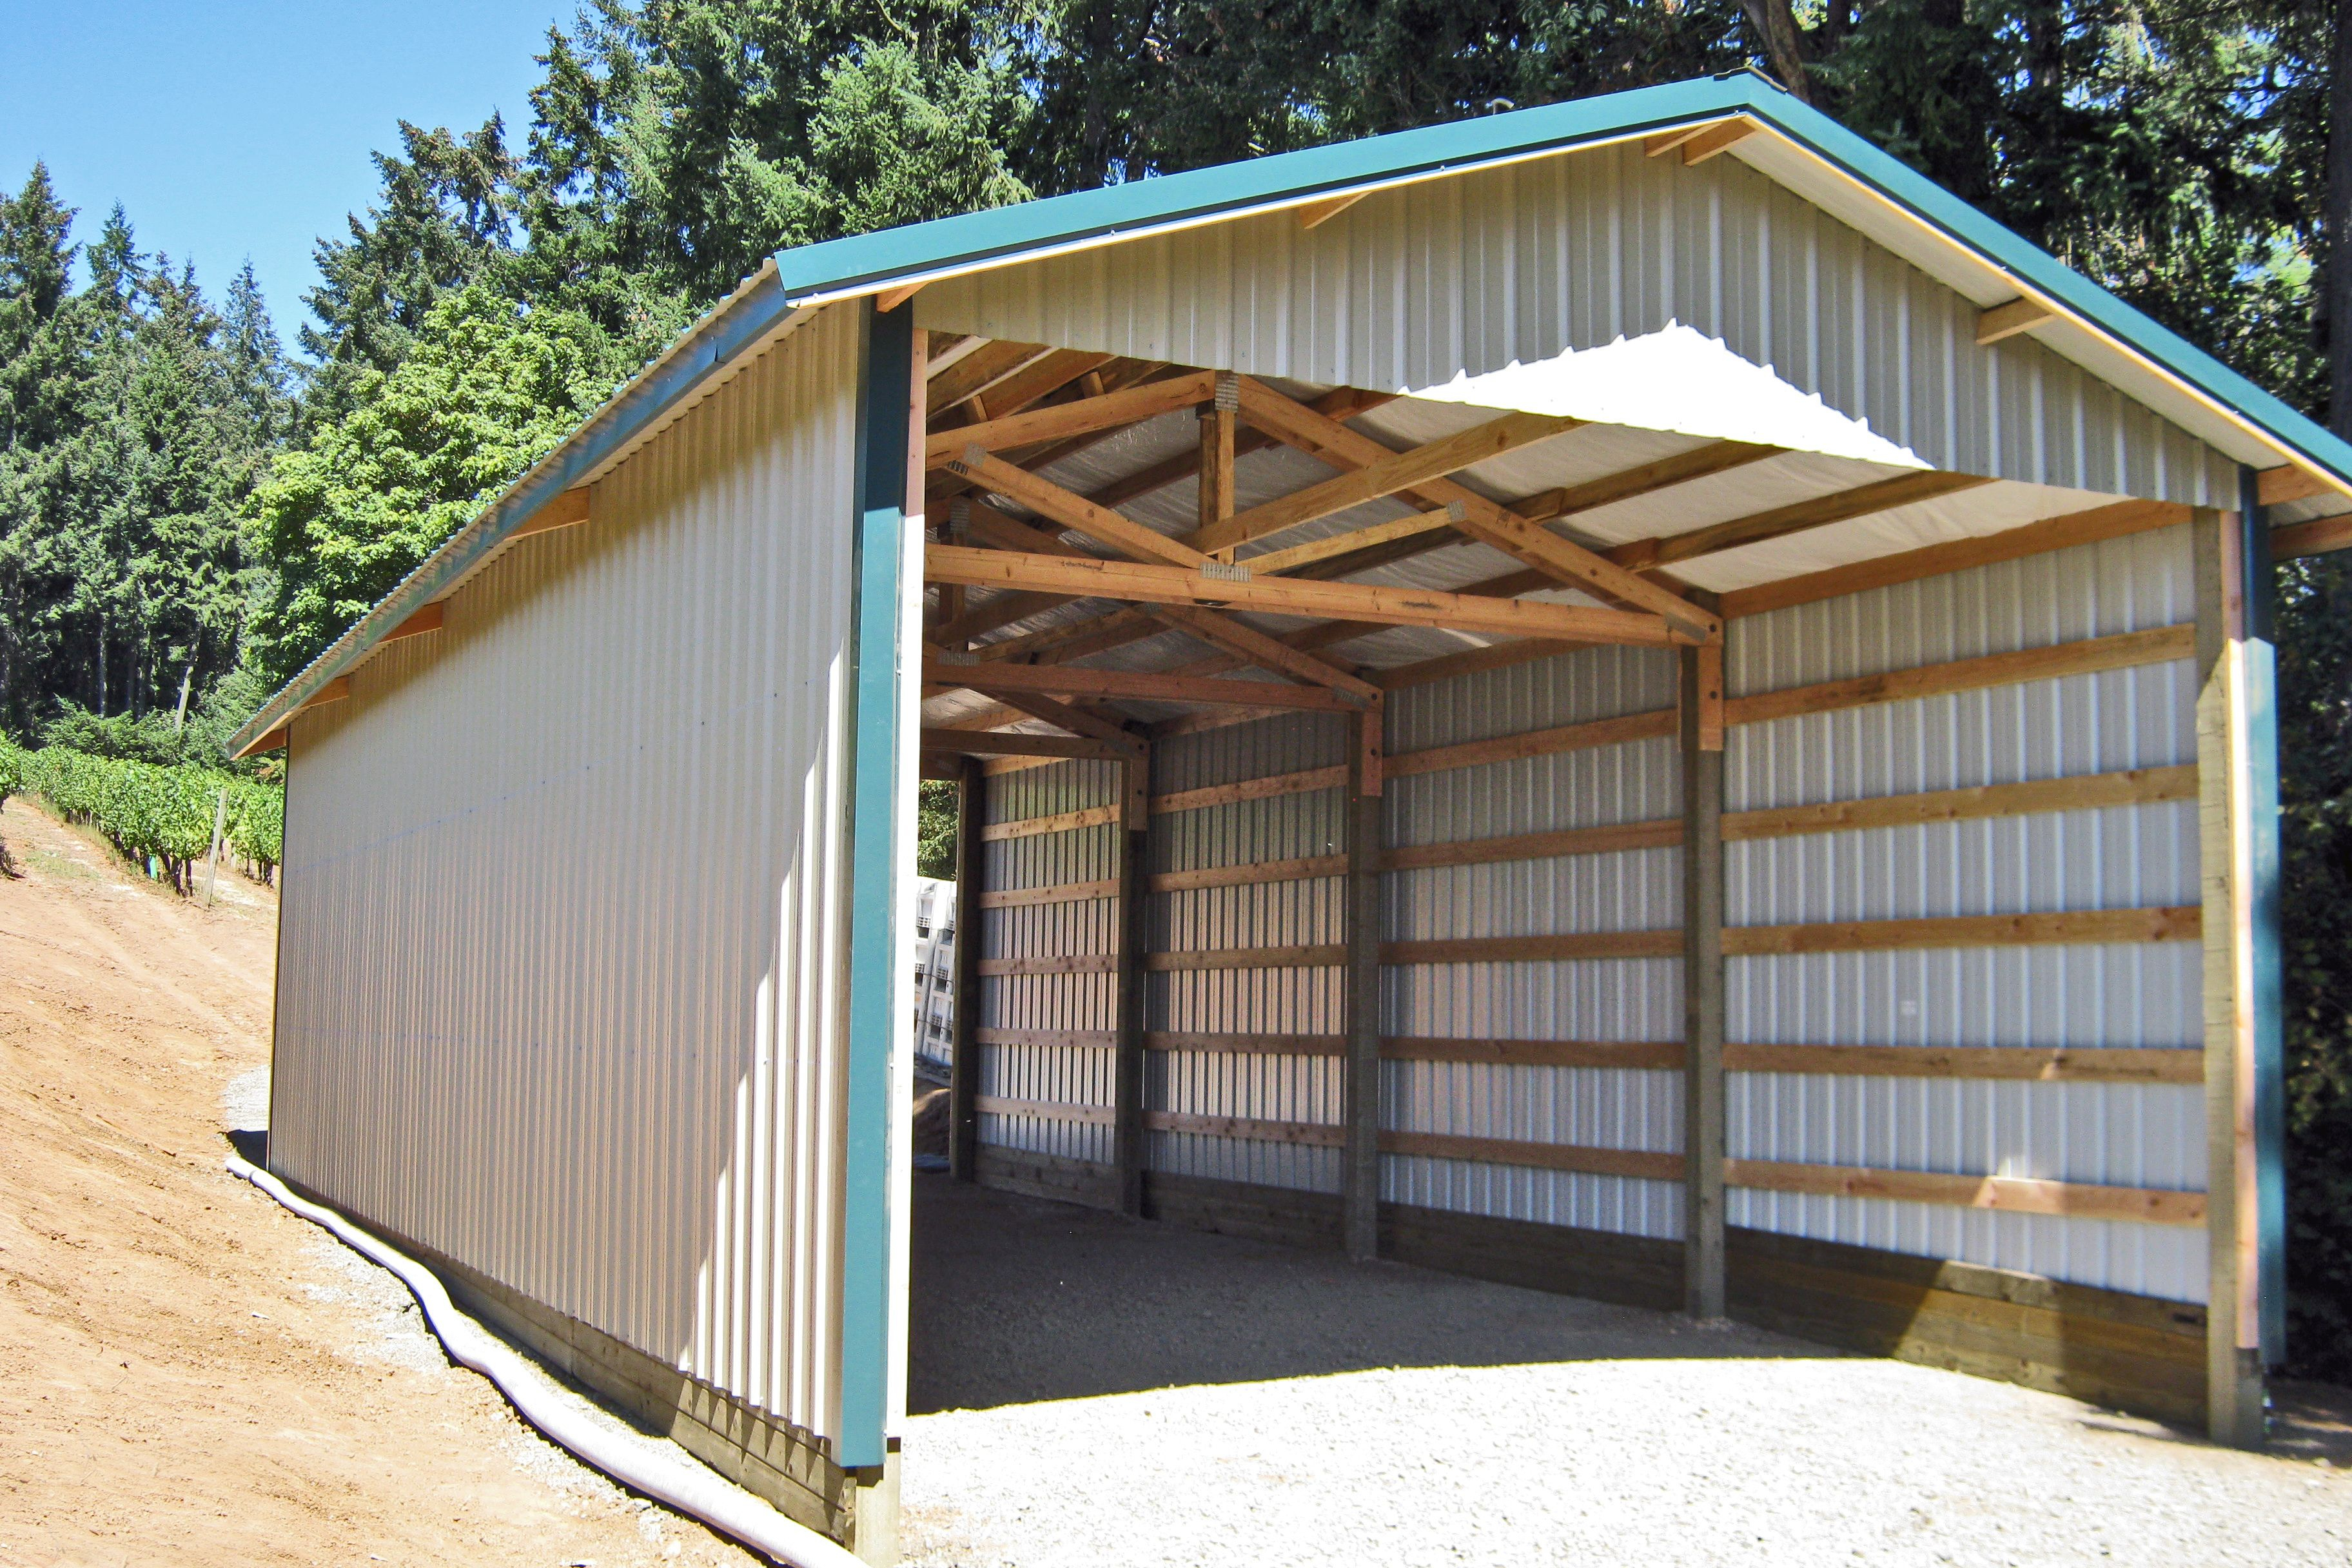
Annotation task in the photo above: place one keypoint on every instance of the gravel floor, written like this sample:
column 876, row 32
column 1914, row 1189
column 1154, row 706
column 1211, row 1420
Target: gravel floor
column 1094, row 1391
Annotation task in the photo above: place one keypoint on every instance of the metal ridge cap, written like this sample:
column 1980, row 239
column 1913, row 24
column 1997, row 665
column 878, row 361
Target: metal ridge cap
column 692, row 358
column 861, row 262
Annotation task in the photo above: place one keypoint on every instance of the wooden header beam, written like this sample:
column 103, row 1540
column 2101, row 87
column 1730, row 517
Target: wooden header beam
column 1071, row 680
column 982, row 743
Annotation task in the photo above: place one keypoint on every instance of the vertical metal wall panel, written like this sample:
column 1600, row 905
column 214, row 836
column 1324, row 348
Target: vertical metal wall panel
column 560, row 993
column 1413, row 285
column 2087, row 997
column 1583, row 999
column 1059, row 1074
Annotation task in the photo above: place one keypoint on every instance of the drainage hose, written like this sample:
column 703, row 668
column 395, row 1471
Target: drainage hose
column 639, row 1464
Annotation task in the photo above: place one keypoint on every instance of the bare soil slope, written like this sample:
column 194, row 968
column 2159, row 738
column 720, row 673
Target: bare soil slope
column 188, row 1374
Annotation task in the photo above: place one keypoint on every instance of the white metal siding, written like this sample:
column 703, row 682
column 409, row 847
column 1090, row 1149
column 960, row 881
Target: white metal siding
column 1412, row 285
column 2144, row 994
column 561, row 991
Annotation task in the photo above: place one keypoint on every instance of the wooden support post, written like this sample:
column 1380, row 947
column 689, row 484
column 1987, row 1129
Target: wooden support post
column 1703, row 1003
column 1134, row 942
column 2232, row 718
column 1360, row 1170
column 1218, row 422
column 963, row 1071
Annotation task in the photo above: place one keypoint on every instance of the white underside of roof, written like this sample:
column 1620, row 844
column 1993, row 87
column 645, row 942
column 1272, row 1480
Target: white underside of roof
column 1680, row 382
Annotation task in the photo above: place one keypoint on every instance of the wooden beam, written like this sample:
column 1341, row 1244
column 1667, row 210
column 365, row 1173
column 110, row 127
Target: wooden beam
column 1640, row 1164
column 1361, row 1001
column 1085, row 415
column 1649, row 725
column 1040, row 377
column 2008, row 319
column 2029, row 1064
column 1216, row 486
column 566, row 508
column 1058, row 822
column 1069, row 716
column 1716, row 139
column 1704, row 1005
column 1272, row 787
column 2235, row 728
column 1291, row 595
column 1139, row 686
column 1395, row 471
column 272, row 741
column 1314, row 214
column 2320, row 536
column 334, row 691
column 1059, row 893
column 2276, row 487
column 987, row 363
column 2080, row 792
column 2156, row 645
column 963, row 1059
column 1251, row 872
column 985, row 744
column 1072, row 510
column 2116, row 520
column 2073, row 927
column 1662, row 833
column 888, row 299
column 1134, row 927
column 1474, row 514
column 1246, row 643
column 2008, row 1194
column 1820, row 511
column 1666, row 142
column 427, row 619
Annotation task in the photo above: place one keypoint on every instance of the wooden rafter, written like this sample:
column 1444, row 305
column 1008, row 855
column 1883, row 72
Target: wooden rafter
column 1072, row 510
column 1394, row 472
column 1073, row 680
column 1245, row 642
column 1818, row 512
column 1087, row 577
column 1077, row 721
column 1518, row 537
column 988, row 362
column 1080, row 416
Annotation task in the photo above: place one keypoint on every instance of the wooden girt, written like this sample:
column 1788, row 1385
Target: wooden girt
column 1798, row 517
column 1087, row 577
column 1245, row 642
column 1394, row 471
column 1073, row 680
column 1521, row 538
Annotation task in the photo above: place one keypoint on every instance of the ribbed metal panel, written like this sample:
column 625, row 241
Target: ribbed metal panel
column 1412, row 285
column 1610, row 999
column 1073, row 1075
column 560, row 993
column 2080, row 998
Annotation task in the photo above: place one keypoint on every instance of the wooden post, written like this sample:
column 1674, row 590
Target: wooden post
column 1361, row 1095
column 963, row 1071
column 220, row 822
column 2228, row 718
column 1134, row 940
column 1217, row 429
column 1703, row 1003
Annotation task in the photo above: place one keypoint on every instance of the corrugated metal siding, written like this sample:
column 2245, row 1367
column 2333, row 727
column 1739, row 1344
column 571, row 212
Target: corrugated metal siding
column 1060, row 1074
column 2080, row 998
column 1467, row 274
column 1266, row 914
column 1591, row 999
column 560, row 993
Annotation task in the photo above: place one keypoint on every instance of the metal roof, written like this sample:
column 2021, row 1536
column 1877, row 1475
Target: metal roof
column 1834, row 168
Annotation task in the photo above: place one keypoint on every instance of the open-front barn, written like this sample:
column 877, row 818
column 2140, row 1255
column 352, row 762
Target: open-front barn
column 1624, row 697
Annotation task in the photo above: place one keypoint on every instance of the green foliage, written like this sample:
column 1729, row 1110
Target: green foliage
column 487, row 388
column 935, row 829
column 155, row 817
column 12, row 770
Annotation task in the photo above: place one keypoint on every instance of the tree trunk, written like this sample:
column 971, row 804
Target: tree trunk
column 2335, row 220
column 1776, row 27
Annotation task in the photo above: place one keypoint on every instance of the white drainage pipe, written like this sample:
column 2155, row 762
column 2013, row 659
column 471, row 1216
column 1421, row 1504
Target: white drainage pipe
column 640, row 1464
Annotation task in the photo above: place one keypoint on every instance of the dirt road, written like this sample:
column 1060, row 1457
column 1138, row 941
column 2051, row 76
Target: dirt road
column 188, row 1374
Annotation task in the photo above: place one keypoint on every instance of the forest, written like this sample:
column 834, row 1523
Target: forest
column 190, row 507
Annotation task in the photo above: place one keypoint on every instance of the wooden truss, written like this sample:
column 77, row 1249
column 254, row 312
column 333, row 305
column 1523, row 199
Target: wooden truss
column 998, row 413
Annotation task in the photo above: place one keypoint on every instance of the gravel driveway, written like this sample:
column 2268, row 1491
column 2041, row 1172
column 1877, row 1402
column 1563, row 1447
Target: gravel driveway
column 1093, row 1391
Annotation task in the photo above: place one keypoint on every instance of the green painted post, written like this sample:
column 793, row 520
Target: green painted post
column 876, row 950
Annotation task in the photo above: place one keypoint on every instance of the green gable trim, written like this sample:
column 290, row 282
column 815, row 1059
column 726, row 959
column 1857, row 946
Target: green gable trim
column 1006, row 233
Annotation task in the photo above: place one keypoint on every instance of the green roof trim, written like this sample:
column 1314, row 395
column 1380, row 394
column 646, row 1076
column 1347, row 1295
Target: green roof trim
column 1004, row 234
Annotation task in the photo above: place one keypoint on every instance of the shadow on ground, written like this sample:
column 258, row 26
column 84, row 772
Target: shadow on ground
column 1016, row 1301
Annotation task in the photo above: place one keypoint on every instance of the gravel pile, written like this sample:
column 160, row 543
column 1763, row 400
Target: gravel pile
column 1099, row 1391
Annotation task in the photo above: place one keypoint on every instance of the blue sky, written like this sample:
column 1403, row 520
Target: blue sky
column 229, row 130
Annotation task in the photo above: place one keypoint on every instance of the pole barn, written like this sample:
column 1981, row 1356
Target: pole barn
column 1626, row 697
